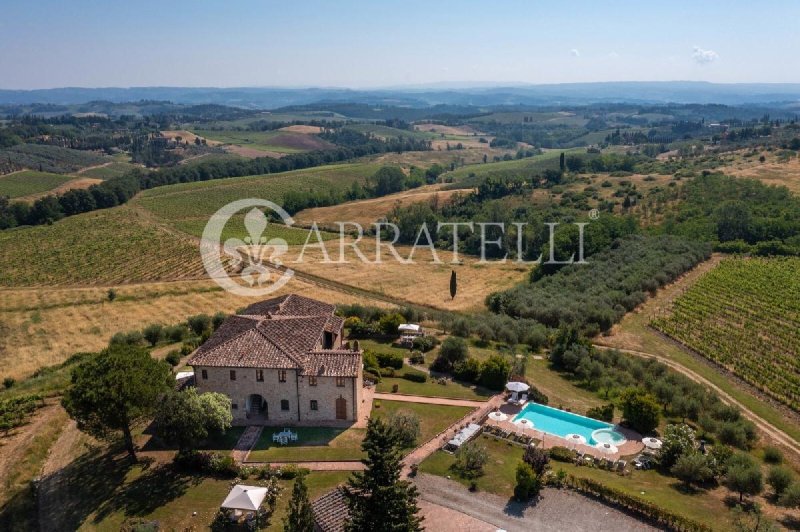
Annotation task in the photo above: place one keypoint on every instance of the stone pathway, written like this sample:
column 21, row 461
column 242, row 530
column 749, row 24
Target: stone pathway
column 246, row 442
column 428, row 448
column 556, row 510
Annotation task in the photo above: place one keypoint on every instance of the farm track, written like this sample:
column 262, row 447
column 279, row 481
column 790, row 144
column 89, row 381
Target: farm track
column 767, row 428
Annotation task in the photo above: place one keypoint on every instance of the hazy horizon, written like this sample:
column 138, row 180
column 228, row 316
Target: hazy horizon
column 363, row 45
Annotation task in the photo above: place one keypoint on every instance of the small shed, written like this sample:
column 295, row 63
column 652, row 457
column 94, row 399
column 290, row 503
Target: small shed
column 409, row 331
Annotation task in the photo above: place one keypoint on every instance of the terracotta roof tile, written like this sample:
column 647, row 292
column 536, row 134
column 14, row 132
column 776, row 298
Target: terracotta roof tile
column 283, row 332
column 331, row 512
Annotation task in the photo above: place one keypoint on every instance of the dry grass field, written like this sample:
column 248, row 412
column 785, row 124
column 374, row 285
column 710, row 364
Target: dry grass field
column 187, row 136
column 307, row 130
column 81, row 182
column 447, row 130
column 368, row 211
column 422, row 282
column 44, row 326
column 770, row 172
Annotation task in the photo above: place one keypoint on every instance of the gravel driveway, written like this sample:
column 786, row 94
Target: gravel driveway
column 557, row 510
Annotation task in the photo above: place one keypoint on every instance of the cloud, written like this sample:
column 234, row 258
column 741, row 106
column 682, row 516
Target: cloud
column 703, row 57
column 574, row 53
column 613, row 55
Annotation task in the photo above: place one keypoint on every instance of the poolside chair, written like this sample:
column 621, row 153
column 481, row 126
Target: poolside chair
column 294, row 436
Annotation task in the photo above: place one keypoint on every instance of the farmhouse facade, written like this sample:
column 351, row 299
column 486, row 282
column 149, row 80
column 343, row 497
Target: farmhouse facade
column 283, row 360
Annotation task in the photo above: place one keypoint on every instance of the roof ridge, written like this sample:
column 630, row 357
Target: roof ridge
column 283, row 351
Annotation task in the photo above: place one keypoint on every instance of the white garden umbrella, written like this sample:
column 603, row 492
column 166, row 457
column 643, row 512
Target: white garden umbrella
column 575, row 438
column 606, row 448
column 517, row 387
column 498, row 416
column 245, row 498
column 523, row 424
column 652, row 443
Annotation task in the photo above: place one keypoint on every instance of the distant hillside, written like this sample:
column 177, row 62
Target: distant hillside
column 554, row 94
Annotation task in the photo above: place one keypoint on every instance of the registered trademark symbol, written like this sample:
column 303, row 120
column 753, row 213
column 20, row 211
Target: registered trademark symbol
column 594, row 214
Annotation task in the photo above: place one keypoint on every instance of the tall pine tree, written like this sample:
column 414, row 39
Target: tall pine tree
column 377, row 498
column 301, row 516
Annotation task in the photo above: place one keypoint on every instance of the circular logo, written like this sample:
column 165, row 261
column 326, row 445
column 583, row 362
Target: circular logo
column 254, row 259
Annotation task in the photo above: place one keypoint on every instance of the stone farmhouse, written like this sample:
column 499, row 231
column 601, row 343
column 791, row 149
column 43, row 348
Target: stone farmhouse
column 283, row 360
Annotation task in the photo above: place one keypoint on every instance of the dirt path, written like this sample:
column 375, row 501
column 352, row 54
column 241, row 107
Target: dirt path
column 345, row 465
column 770, row 430
column 13, row 448
column 556, row 510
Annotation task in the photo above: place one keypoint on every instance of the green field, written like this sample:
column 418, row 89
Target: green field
column 235, row 228
column 745, row 316
column 202, row 199
column 469, row 176
column 108, row 246
column 48, row 158
column 276, row 141
column 431, row 388
column 386, row 132
column 28, row 182
column 114, row 169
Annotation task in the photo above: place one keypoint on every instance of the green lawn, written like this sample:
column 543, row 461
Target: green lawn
column 314, row 443
column 661, row 490
column 499, row 472
column 30, row 182
column 278, row 141
column 330, row 444
column 433, row 418
column 431, row 388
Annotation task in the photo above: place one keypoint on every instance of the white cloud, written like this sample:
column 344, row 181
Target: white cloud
column 574, row 52
column 704, row 56
column 613, row 55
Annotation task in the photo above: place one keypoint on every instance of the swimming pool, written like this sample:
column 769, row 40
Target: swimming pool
column 560, row 423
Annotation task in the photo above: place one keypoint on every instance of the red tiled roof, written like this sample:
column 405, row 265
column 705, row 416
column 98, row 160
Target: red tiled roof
column 331, row 512
column 280, row 333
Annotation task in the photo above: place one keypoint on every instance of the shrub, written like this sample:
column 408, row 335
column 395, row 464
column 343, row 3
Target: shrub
column 405, row 425
column 389, row 323
column 425, row 343
column 218, row 320
column 176, row 333
column 603, row 413
column 528, row 483
column 536, row 395
column 417, row 358
column 111, row 294
column 207, row 462
column 199, row 323
column 9, row 382
column 387, row 372
column 453, row 350
column 173, row 358
column 561, row 454
column 773, row 455
column 536, row 458
column 395, row 388
column 415, row 376
column 779, row 477
column 373, row 376
column 678, row 440
column 494, row 372
column 153, row 333
column 470, row 459
column 467, row 370
column 791, row 496
column 390, row 360
column 692, row 468
column 641, row 410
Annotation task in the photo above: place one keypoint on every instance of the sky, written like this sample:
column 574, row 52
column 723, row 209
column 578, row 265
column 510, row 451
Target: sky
column 388, row 43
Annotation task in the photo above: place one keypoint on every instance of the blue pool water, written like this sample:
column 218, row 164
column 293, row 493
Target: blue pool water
column 560, row 423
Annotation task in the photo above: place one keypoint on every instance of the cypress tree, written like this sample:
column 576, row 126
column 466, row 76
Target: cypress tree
column 453, row 284
column 301, row 516
column 377, row 498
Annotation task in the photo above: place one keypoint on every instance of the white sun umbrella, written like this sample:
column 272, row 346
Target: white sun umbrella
column 517, row 387
column 245, row 498
column 606, row 448
column 497, row 416
column 524, row 424
column 652, row 443
column 575, row 438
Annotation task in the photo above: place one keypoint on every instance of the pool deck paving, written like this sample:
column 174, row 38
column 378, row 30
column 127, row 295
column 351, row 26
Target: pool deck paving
column 632, row 445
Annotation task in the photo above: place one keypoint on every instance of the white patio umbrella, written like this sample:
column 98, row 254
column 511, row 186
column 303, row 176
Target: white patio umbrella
column 497, row 416
column 517, row 387
column 575, row 438
column 244, row 498
column 523, row 424
column 652, row 443
column 606, row 448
